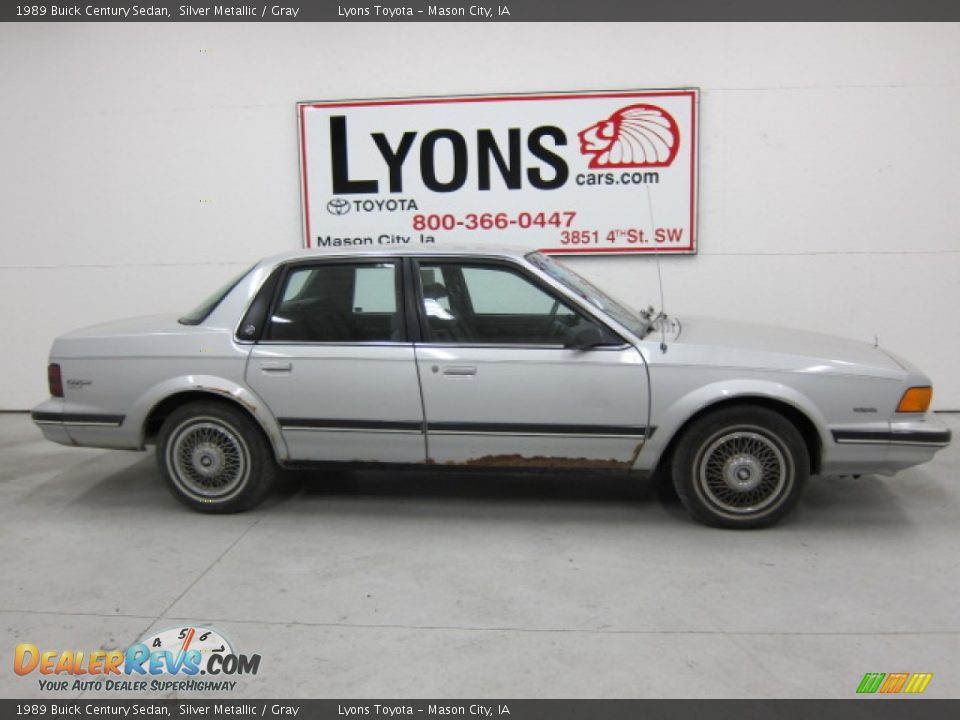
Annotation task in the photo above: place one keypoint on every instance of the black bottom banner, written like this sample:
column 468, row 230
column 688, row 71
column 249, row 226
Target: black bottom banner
column 875, row 708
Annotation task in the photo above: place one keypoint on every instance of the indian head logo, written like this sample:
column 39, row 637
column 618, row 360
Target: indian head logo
column 634, row 136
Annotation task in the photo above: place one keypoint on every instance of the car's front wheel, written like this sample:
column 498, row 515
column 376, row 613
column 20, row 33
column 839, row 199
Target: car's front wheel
column 214, row 458
column 740, row 467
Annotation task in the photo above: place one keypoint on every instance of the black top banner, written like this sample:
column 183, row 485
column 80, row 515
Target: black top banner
column 496, row 710
column 498, row 11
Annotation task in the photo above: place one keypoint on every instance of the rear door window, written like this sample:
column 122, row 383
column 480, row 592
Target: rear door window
column 339, row 303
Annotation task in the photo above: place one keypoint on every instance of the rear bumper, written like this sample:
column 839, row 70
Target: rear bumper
column 79, row 428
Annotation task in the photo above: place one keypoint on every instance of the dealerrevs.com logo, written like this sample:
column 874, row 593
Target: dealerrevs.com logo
column 170, row 660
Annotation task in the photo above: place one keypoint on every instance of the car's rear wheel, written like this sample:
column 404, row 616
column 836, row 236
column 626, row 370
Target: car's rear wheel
column 740, row 467
column 214, row 458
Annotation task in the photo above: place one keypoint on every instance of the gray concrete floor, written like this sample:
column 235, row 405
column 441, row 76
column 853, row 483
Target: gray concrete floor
column 382, row 586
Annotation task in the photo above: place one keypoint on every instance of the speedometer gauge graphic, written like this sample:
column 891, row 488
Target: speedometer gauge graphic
column 179, row 640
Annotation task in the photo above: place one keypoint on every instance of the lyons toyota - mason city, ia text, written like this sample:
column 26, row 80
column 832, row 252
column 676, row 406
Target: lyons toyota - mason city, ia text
column 476, row 11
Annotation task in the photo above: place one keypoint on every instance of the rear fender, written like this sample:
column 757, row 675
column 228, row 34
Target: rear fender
column 215, row 387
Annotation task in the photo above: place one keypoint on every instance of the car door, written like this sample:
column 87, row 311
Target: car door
column 336, row 367
column 501, row 386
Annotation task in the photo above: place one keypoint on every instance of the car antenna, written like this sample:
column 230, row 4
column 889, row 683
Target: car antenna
column 662, row 315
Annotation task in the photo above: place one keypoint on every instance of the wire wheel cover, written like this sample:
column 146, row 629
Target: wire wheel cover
column 208, row 458
column 743, row 471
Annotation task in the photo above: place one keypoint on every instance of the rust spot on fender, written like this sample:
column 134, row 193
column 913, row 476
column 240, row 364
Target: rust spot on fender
column 226, row 393
column 274, row 439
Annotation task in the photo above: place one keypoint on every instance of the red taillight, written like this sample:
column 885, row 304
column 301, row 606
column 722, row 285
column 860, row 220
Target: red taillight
column 54, row 380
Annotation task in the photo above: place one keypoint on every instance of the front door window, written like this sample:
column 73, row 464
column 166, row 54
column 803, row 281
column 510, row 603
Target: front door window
column 494, row 305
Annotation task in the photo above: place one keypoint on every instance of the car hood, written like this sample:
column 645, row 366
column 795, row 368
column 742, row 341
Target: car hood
column 714, row 341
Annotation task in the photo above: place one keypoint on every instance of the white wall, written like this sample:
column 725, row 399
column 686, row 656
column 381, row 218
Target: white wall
column 140, row 165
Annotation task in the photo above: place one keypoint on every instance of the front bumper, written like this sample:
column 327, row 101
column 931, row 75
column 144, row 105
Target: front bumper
column 913, row 442
column 885, row 448
column 919, row 434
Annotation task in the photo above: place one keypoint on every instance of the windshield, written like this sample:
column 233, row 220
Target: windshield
column 591, row 293
column 200, row 313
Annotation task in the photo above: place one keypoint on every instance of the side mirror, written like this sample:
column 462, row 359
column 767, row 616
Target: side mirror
column 585, row 338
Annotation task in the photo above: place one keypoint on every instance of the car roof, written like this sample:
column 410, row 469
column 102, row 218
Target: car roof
column 464, row 249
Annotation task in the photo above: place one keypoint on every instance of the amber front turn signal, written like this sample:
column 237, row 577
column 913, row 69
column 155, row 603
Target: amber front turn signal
column 915, row 400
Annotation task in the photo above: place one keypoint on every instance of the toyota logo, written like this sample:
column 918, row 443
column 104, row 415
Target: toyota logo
column 338, row 206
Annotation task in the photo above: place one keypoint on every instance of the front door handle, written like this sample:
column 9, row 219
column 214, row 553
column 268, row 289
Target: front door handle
column 460, row 370
column 276, row 366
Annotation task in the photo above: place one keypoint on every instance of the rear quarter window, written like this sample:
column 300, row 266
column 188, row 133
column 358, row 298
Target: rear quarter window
column 202, row 311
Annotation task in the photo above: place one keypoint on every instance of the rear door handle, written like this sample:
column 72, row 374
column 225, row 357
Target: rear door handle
column 459, row 370
column 276, row 366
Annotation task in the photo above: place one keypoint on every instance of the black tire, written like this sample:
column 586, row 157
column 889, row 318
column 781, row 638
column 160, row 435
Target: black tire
column 740, row 467
column 214, row 458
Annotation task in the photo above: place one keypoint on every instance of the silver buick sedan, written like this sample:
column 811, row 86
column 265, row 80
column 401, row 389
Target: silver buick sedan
column 501, row 360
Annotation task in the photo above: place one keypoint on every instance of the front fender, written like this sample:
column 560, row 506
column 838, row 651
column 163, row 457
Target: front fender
column 671, row 420
column 215, row 387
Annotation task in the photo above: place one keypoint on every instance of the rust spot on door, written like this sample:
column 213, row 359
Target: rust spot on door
column 515, row 460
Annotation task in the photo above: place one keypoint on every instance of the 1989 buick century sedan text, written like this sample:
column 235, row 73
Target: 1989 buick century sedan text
column 489, row 359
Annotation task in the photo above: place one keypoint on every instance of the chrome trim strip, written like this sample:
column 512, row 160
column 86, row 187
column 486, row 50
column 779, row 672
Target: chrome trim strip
column 466, row 428
column 77, row 419
column 76, row 424
column 893, row 442
column 350, row 425
column 333, row 343
column 922, row 438
column 578, row 430
column 90, row 424
column 521, row 433
column 519, row 346
column 920, row 443
column 301, row 428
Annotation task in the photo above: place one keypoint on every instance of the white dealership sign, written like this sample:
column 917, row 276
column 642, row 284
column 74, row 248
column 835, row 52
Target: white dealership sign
column 598, row 172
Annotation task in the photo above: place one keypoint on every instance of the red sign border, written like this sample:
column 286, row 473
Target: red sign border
column 692, row 93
